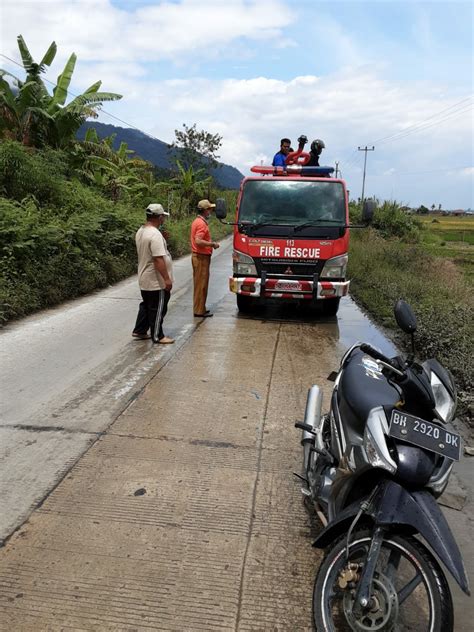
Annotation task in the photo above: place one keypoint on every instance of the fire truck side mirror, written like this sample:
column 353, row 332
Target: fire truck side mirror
column 221, row 210
column 368, row 209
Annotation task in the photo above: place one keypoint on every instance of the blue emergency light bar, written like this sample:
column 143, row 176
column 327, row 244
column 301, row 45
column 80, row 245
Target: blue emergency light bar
column 301, row 170
column 311, row 171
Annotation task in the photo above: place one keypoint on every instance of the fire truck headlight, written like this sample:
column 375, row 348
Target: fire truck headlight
column 335, row 268
column 243, row 264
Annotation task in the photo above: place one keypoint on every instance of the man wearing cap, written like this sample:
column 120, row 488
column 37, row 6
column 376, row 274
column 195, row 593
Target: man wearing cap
column 155, row 276
column 202, row 247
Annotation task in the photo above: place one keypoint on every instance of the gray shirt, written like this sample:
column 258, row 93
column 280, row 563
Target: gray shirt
column 151, row 243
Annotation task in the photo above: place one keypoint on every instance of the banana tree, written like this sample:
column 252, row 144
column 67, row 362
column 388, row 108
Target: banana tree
column 115, row 171
column 190, row 184
column 30, row 114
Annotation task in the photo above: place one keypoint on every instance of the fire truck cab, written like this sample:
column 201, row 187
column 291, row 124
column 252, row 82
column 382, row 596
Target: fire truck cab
column 291, row 237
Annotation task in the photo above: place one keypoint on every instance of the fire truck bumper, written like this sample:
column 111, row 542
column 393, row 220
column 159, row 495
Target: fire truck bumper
column 290, row 289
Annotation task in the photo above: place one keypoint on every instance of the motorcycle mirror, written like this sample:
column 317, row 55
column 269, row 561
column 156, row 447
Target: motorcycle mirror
column 368, row 209
column 221, row 210
column 405, row 317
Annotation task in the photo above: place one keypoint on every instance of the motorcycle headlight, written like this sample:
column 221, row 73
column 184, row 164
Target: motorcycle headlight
column 243, row 264
column 445, row 405
column 335, row 268
column 375, row 445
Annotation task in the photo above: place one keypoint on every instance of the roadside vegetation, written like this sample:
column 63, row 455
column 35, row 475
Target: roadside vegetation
column 69, row 209
column 429, row 264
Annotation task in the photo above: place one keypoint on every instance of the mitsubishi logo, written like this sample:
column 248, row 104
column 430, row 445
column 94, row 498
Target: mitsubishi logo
column 288, row 270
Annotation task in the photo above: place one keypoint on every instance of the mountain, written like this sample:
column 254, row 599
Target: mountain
column 156, row 151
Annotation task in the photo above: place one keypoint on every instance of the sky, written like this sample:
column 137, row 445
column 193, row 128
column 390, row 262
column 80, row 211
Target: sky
column 394, row 75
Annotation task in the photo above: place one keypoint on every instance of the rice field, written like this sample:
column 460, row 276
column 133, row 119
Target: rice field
column 452, row 238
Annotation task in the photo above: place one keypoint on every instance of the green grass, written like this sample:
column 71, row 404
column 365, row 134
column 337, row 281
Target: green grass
column 450, row 238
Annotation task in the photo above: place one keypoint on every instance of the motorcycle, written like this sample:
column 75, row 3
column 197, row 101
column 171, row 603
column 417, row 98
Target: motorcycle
column 372, row 470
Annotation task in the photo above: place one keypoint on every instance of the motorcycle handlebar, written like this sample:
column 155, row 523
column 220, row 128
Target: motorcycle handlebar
column 377, row 355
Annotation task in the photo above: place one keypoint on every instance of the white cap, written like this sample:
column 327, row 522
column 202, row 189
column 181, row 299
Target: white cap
column 155, row 210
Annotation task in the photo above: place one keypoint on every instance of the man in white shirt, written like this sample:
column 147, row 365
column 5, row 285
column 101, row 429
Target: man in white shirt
column 155, row 276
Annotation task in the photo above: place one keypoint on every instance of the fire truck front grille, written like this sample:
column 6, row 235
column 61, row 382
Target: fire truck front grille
column 286, row 268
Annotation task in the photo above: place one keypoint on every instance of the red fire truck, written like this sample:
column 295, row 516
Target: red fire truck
column 291, row 237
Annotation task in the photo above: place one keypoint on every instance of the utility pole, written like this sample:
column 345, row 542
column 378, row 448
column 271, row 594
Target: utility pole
column 366, row 149
column 337, row 168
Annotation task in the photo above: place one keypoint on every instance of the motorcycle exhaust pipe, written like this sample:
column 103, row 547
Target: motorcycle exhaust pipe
column 312, row 417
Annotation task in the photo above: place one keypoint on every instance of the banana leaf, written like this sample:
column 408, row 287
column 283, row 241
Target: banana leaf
column 64, row 80
column 28, row 62
column 92, row 99
column 6, row 94
column 93, row 88
column 49, row 56
column 91, row 136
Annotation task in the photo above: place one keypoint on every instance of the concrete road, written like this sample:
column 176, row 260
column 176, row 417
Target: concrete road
column 67, row 373
column 164, row 475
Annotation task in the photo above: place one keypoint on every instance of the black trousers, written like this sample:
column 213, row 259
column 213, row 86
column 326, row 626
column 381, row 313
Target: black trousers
column 151, row 313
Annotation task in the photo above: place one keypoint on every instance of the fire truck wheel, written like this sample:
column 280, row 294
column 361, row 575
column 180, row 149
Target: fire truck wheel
column 245, row 304
column 330, row 306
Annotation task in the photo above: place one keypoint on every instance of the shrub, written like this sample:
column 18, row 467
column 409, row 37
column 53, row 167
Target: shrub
column 28, row 173
column 390, row 220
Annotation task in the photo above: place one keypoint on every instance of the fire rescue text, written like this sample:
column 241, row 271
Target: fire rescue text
column 290, row 252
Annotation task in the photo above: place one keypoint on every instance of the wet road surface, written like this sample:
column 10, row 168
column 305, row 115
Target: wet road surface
column 183, row 513
column 68, row 372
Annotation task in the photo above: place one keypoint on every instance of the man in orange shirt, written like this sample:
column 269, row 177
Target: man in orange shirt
column 202, row 247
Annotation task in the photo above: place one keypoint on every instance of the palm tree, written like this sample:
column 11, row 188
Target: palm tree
column 29, row 114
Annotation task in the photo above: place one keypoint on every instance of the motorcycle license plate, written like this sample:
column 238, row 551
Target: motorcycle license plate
column 425, row 435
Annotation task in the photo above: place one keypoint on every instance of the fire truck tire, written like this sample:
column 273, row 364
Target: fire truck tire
column 245, row 304
column 330, row 306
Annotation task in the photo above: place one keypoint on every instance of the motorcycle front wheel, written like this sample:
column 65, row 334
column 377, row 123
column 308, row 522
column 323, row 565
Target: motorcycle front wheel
column 409, row 589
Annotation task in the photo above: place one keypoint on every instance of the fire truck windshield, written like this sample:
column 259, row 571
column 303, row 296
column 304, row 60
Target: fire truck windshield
column 292, row 203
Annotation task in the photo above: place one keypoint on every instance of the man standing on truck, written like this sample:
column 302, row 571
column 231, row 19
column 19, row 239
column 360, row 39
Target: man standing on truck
column 202, row 247
column 279, row 159
column 317, row 147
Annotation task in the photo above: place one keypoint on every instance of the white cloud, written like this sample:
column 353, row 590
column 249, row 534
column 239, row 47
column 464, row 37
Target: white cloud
column 357, row 105
column 97, row 30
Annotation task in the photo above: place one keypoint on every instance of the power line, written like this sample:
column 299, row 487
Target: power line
column 417, row 173
column 452, row 115
column 416, row 125
column 423, row 127
column 354, row 161
column 352, row 158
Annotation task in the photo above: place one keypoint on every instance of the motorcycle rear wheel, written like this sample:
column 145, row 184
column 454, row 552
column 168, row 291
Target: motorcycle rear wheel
column 410, row 591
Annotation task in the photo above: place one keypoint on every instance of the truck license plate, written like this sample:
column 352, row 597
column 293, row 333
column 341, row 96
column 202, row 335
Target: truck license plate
column 425, row 435
column 288, row 286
